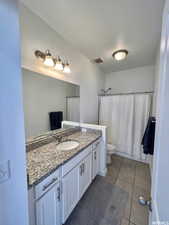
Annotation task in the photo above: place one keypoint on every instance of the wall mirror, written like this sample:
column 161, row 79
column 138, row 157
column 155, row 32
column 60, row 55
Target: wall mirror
column 47, row 102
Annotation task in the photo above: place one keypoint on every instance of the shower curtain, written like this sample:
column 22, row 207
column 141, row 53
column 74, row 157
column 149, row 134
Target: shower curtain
column 125, row 117
column 73, row 109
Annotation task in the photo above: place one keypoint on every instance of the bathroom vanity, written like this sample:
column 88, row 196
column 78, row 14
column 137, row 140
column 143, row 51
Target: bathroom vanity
column 58, row 178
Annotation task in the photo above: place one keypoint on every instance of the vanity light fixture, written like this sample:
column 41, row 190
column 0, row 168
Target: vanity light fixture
column 58, row 64
column 45, row 57
column 66, row 68
column 120, row 54
column 50, row 61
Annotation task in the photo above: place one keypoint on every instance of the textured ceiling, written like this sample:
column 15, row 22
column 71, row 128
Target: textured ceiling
column 97, row 28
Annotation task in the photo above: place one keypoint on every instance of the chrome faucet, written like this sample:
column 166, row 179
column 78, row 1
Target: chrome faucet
column 57, row 138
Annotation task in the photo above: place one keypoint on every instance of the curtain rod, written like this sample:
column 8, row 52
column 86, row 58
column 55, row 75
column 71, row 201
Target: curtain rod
column 129, row 93
column 72, row 96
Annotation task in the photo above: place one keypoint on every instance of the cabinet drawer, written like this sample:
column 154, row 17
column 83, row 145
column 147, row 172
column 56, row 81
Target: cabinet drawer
column 67, row 167
column 47, row 183
column 96, row 143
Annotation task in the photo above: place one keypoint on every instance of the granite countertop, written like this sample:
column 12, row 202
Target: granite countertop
column 44, row 160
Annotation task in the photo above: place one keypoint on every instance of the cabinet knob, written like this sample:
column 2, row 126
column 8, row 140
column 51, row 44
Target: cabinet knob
column 58, row 194
column 95, row 156
column 81, row 169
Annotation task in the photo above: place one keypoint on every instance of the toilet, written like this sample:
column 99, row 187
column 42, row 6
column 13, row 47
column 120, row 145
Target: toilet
column 110, row 150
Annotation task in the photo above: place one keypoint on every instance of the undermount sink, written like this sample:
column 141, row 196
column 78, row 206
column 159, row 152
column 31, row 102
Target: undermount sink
column 67, row 145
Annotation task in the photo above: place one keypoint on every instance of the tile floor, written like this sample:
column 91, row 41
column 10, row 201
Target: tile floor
column 133, row 177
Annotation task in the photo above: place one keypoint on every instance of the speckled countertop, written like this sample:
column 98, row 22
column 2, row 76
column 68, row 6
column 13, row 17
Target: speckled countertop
column 44, row 160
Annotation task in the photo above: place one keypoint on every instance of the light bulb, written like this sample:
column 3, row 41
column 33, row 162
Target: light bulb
column 48, row 59
column 120, row 54
column 66, row 68
column 59, row 65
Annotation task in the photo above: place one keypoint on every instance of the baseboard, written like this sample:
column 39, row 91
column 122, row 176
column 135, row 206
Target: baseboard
column 103, row 173
column 130, row 157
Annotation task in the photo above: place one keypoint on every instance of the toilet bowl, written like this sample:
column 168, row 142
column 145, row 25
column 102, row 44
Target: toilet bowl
column 110, row 150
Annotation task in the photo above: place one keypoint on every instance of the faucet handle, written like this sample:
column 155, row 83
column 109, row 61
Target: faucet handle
column 59, row 138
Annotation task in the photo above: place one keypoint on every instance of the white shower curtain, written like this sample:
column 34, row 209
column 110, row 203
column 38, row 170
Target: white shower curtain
column 125, row 117
column 73, row 109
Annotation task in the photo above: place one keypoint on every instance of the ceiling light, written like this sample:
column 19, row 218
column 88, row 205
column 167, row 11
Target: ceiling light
column 66, row 68
column 48, row 61
column 120, row 54
column 58, row 64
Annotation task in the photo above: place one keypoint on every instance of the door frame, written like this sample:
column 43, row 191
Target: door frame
column 160, row 107
column 13, row 187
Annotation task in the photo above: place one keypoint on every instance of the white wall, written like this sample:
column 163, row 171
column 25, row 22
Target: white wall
column 41, row 95
column 36, row 34
column 134, row 80
column 13, row 192
column 156, row 82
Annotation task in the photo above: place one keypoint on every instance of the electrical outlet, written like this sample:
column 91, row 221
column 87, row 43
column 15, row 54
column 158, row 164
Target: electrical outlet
column 4, row 171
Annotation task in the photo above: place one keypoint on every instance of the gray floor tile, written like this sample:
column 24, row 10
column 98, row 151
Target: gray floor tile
column 143, row 182
column 102, row 204
column 143, row 170
column 111, row 179
column 139, row 191
column 112, row 174
column 127, row 186
column 127, row 211
column 116, row 162
column 124, row 222
column 139, row 214
column 118, row 157
column 127, row 174
column 130, row 163
column 112, row 170
column 133, row 177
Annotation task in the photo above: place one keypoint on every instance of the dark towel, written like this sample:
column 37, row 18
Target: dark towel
column 56, row 119
column 149, row 135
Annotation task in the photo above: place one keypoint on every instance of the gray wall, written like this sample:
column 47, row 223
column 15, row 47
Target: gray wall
column 134, row 80
column 36, row 34
column 41, row 95
column 13, row 192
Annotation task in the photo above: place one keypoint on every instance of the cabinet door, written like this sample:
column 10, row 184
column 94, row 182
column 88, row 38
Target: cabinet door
column 70, row 185
column 48, row 207
column 85, row 171
column 95, row 163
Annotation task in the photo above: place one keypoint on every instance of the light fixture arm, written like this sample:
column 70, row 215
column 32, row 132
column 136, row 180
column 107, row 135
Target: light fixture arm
column 40, row 54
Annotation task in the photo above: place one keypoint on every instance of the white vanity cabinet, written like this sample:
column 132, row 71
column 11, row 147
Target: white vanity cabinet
column 70, row 192
column 76, row 177
column 85, row 172
column 48, row 207
column 95, row 158
column 48, row 200
column 52, row 200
